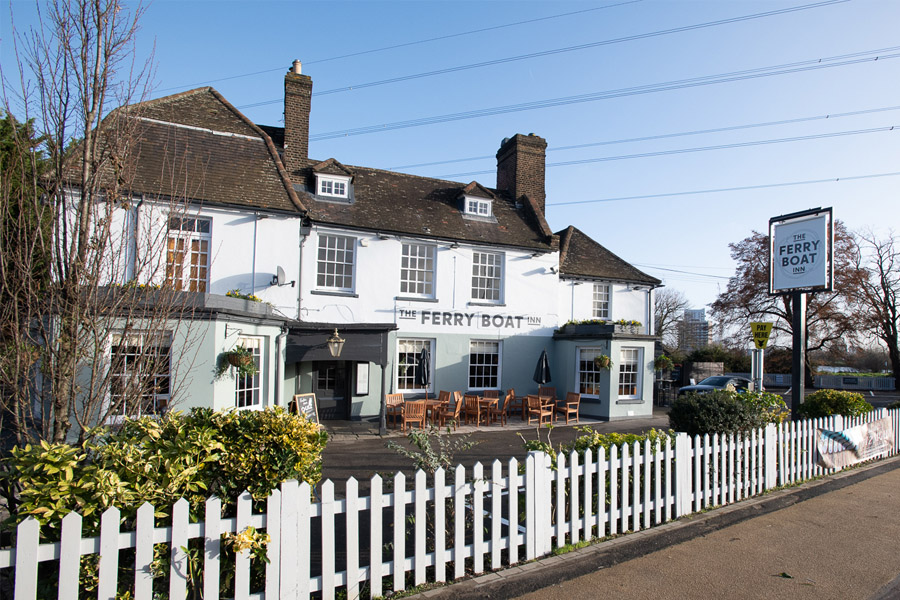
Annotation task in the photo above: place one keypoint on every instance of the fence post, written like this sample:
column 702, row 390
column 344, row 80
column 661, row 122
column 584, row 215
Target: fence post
column 529, row 505
column 838, row 423
column 771, row 457
column 682, row 474
column 538, row 505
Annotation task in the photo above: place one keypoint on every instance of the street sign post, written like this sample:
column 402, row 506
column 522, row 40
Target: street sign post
column 801, row 260
column 760, row 333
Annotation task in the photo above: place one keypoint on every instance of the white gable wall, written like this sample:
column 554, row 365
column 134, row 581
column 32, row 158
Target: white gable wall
column 576, row 302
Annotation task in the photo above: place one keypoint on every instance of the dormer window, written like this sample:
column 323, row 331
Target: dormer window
column 479, row 207
column 334, row 186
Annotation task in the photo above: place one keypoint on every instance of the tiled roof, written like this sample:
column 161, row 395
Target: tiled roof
column 331, row 167
column 580, row 256
column 399, row 203
column 197, row 146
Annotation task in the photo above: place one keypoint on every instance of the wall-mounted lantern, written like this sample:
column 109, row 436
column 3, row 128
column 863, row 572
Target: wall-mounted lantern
column 335, row 344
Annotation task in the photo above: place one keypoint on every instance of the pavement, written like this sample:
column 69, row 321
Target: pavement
column 834, row 538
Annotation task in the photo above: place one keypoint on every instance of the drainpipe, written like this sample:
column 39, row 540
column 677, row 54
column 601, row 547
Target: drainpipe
column 279, row 365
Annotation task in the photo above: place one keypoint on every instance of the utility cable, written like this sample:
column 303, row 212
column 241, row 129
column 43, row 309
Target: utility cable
column 731, row 189
column 554, row 51
column 663, row 136
column 403, row 45
column 630, row 38
column 783, row 69
column 585, row 161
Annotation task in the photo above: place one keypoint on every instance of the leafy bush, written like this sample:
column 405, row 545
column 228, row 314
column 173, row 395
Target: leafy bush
column 197, row 455
column 724, row 411
column 823, row 403
column 596, row 440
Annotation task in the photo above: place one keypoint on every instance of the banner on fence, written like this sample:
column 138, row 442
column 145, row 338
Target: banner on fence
column 838, row 449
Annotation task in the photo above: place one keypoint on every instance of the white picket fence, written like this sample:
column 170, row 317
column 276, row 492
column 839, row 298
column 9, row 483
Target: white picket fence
column 365, row 544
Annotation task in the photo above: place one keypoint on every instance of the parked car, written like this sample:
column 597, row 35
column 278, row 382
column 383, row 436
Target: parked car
column 718, row 382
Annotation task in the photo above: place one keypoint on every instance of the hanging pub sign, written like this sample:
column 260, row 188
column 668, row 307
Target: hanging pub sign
column 801, row 252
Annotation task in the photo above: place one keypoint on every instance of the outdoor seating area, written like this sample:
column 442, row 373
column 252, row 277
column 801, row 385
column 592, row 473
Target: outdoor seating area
column 481, row 408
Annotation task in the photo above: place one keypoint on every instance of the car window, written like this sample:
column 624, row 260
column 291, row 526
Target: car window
column 723, row 381
column 739, row 384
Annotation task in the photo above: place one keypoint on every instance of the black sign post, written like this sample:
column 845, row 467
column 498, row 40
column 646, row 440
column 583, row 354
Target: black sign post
column 798, row 380
column 801, row 260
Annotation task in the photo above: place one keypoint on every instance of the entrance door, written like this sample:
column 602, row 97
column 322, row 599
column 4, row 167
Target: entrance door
column 330, row 380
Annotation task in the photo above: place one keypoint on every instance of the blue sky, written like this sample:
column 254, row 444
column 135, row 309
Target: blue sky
column 638, row 207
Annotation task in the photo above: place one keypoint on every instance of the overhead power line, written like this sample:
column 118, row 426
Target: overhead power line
column 678, row 271
column 730, row 189
column 405, row 44
column 799, row 138
column 881, row 54
column 554, row 51
column 661, row 136
column 629, row 38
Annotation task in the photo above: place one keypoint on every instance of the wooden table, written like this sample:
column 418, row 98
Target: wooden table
column 485, row 404
column 433, row 407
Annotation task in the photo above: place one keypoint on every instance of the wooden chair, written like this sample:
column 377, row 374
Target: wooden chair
column 491, row 394
column 393, row 408
column 501, row 413
column 547, row 391
column 472, row 409
column 569, row 406
column 516, row 404
column 444, row 397
column 537, row 410
column 451, row 413
column 413, row 412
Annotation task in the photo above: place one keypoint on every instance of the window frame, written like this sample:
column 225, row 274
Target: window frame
column 162, row 339
column 406, row 268
column 478, row 207
column 595, row 372
column 406, row 371
column 331, row 182
column 479, row 275
column 633, row 375
column 472, row 384
column 349, row 248
column 184, row 280
column 597, row 309
column 251, row 385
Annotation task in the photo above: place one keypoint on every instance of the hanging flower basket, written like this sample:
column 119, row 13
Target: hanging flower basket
column 236, row 359
column 663, row 363
column 240, row 358
column 604, row 362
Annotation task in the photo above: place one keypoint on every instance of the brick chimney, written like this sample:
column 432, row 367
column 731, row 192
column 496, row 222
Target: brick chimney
column 297, row 95
column 520, row 168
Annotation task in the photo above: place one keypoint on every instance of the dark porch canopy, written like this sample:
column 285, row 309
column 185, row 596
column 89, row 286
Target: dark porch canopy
column 365, row 342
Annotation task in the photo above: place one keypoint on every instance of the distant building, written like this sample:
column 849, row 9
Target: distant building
column 694, row 330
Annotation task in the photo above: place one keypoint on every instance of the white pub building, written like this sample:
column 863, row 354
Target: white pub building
column 394, row 262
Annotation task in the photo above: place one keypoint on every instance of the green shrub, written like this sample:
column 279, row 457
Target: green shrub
column 724, row 411
column 596, row 440
column 824, row 403
column 894, row 405
column 194, row 456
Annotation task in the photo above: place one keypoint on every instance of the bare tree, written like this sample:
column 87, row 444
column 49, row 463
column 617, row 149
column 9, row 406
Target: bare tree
column 669, row 305
column 829, row 315
column 87, row 315
column 879, row 291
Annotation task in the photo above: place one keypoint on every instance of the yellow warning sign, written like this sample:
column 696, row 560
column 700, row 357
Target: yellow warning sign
column 761, row 332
